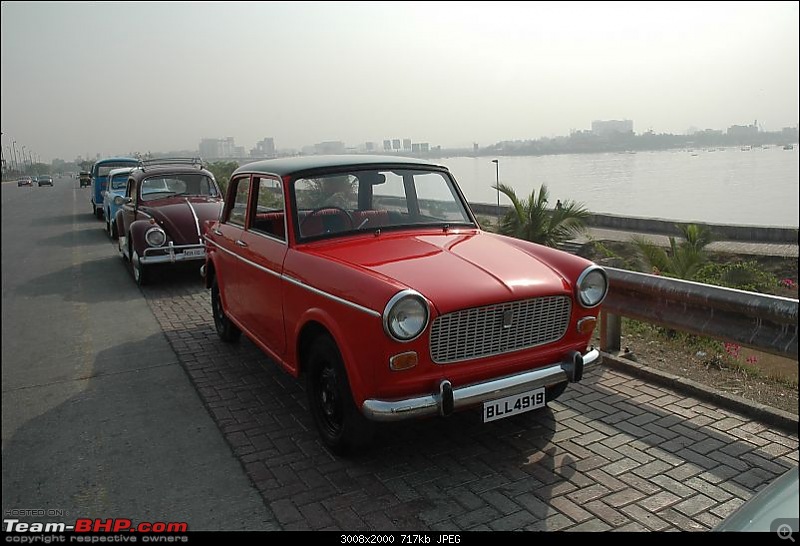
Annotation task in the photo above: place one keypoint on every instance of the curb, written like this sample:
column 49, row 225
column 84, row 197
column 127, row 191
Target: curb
column 773, row 417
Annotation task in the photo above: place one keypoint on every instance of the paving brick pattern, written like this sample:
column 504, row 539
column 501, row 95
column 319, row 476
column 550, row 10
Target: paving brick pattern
column 613, row 453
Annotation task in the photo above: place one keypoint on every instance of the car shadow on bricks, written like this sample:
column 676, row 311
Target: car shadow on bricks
column 611, row 453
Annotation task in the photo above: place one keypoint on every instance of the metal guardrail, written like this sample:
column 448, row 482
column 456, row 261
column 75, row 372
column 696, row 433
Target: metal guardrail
column 763, row 322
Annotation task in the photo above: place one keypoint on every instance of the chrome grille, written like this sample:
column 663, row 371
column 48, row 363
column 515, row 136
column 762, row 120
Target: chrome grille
column 495, row 329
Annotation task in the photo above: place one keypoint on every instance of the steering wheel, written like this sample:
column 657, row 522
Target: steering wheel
column 327, row 207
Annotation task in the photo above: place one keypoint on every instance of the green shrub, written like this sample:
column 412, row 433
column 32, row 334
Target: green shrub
column 741, row 275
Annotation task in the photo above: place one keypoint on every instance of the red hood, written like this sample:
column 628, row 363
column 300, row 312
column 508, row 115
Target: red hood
column 174, row 214
column 453, row 270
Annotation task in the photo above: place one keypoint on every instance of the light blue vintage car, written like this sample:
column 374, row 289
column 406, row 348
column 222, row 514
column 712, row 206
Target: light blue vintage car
column 117, row 184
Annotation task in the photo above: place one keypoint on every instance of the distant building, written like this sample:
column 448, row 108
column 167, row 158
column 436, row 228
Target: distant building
column 396, row 144
column 264, row 148
column 219, row 148
column 330, row 147
column 387, row 145
column 608, row 128
column 407, row 144
column 743, row 130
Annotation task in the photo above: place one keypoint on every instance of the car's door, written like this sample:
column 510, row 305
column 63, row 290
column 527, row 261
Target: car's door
column 129, row 207
column 265, row 247
column 230, row 264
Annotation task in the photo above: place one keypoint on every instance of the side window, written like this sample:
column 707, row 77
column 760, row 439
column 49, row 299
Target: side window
column 238, row 209
column 391, row 195
column 268, row 208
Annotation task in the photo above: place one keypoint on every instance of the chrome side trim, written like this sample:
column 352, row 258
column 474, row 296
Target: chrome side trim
column 296, row 282
column 477, row 393
column 332, row 297
column 245, row 260
column 196, row 222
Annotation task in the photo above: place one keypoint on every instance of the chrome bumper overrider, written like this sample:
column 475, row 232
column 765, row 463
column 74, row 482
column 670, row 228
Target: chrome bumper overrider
column 449, row 399
column 170, row 254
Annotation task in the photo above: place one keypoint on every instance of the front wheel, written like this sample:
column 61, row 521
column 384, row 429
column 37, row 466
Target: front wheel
column 343, row 428
column 140, row 271
column 226, row 330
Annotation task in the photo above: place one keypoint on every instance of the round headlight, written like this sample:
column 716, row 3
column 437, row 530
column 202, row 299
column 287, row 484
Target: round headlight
column 592, row 286
column 405, row 316
column 118, row 200
column 155, row 236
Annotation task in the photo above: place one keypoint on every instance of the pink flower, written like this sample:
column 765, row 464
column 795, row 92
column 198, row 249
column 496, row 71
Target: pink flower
column 752, row 359
column 788, row 283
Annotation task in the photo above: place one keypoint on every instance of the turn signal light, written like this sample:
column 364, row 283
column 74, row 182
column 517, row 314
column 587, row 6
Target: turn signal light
column 586, row 325
column 403, row 361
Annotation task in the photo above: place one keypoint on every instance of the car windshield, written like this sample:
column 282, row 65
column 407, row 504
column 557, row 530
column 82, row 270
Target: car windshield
column 119, row 181
column 376, row 199
column 159, row 187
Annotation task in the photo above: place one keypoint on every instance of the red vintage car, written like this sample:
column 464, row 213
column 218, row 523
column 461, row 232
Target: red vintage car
column 372, row 277
column 163, row 214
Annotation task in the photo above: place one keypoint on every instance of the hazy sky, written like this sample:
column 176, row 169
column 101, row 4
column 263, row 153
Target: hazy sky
column 87, row 77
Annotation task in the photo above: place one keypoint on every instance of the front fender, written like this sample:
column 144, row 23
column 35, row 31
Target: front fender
column 359, row 358
column 136, row 233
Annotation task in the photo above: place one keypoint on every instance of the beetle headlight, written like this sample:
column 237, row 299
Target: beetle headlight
column 118, row 200
column 406, row 316
column 592, row 286
column 155, row 236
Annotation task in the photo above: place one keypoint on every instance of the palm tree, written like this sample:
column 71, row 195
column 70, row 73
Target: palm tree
column 684, row 259
column 531, row 219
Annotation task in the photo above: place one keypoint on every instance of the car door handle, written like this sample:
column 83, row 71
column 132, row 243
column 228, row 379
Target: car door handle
column 240, row 242
column 215, row 231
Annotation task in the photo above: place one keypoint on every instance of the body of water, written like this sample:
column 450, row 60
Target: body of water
column 725, row 186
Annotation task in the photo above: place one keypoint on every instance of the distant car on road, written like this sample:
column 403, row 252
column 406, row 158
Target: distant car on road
column 85, row 179
column 45, row 180
column 163, row 214
column 25, row 181
column 371, row 276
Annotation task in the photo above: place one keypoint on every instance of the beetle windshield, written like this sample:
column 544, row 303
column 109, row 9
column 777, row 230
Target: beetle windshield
column 377, row 199
column 186, row 184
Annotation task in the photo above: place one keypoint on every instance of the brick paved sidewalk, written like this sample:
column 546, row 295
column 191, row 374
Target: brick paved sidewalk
column 613, row 453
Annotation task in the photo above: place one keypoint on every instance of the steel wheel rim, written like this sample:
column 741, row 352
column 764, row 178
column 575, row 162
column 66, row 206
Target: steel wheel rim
column 330, row 403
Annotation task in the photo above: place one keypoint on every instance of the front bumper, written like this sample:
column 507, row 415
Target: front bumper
column 172, row 253
column 450, row 399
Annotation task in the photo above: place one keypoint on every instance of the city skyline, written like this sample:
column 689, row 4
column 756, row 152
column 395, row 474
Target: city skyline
column 449, row 74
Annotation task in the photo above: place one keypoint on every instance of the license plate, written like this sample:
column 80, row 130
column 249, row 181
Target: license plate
column 513, row 405
column 194, row 252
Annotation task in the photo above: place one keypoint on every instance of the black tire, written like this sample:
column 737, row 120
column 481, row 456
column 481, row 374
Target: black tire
column 98, row 213
column 226, row 330
column 553, row 392
column 140, row 271
column 342, row 427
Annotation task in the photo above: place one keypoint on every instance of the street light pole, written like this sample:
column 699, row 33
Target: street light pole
column 497, row 183
column 16, row 159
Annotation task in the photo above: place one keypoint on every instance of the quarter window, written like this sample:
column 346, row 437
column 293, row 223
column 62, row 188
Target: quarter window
column 239, row 207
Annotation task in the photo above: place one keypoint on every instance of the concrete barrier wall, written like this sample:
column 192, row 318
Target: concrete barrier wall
column 720, row 232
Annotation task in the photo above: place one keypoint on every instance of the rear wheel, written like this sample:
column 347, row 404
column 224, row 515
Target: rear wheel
column 226, row 330
column 343, row 428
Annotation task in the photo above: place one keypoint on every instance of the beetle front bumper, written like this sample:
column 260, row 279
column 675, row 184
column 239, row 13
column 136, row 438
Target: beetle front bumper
column 173, row 253
column 450, row 399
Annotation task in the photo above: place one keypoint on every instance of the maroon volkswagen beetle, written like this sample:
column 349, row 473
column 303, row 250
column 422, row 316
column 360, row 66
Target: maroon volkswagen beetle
column 371, row 276
column 163, row 213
